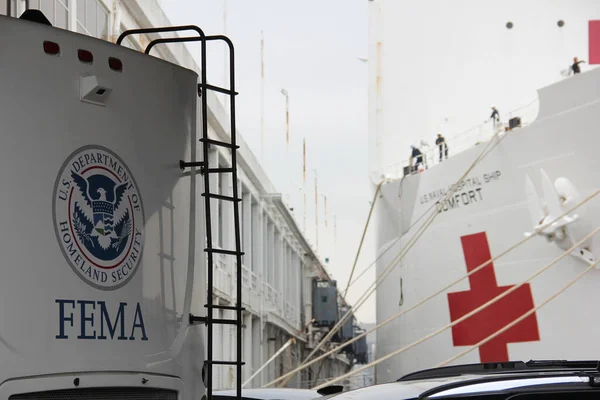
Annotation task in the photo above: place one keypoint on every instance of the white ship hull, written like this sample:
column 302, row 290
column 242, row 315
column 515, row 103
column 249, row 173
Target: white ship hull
column 492, row 209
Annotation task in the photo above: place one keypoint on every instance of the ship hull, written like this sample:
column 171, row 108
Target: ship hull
column 487, row 215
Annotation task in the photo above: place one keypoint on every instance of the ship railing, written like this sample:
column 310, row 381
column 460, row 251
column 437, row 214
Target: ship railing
column 294, row 316
column 290, row 314
column 220, row 260
column 253, row 281
column 270, row 293
column 224, row 282
column 464, row 141
column 222, row 276
column 245, row 276
column 266, row 292
column 277, row 300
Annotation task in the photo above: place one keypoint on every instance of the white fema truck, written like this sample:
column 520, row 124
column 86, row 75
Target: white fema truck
column 103, row 291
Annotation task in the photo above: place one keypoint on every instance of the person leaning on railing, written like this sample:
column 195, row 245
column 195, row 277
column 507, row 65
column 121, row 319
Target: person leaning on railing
column 417, row 156
column 495, row 116
column 575, row 67
column 443, row 146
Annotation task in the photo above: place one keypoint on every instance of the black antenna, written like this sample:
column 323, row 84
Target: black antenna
column 33, row 16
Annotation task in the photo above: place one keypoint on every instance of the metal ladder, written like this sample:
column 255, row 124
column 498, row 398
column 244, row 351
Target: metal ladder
column 206, row 170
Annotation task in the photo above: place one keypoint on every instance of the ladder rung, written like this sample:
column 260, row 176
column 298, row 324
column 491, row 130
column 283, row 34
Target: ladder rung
column 219, row 307
column 219, row 143
column 218, row 89
column 220, row 197
column 216, row 362
column 224, row 321
column 193, row 319
column 221, row 251
column 219, row 170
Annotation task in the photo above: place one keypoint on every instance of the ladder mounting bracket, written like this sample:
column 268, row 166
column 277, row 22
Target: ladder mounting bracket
column 194, row 319
column 183, row 165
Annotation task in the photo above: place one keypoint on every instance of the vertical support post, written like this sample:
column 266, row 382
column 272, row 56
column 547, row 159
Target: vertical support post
column 325, row 207
column 316, row 213
column 209, row 294
column 248, row 345
column 335, row 238
column 262, row 96
column 287, row 118
column 304, row 185
column 225, row 51
column 236, row 219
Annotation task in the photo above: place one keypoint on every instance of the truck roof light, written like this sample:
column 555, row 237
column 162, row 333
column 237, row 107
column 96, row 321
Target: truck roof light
column 85, row 56
column 51, row 48
column 115, row 64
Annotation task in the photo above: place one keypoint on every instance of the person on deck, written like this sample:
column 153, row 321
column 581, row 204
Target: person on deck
column 417, row 156
column 495, row 116
column 575, row 67
column 443, row 146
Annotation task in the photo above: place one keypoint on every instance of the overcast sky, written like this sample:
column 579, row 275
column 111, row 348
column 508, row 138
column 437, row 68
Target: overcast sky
column 311, row 49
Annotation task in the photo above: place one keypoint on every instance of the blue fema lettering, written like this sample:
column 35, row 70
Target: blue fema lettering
column 106, row 321
column 83, row 315
column 138, row 322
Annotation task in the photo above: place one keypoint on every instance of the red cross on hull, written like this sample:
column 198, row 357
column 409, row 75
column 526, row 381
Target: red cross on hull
column 486, row 322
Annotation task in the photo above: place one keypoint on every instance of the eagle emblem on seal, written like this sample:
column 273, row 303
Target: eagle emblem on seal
column 101, row 219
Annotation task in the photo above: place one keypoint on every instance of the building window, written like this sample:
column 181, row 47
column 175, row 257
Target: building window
column 92, row 18
column 4, row 7
column 61, row 13
column 57, row 11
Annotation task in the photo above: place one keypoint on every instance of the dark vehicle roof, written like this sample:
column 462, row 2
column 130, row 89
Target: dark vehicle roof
column 525, row 380
column 502, row 367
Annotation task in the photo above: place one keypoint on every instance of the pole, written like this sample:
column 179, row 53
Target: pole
column 325, row 206
column 262, row 95
column 316, row 212
column 225, row 53
column 335, row 237
column 304, row 183
column 287, row 120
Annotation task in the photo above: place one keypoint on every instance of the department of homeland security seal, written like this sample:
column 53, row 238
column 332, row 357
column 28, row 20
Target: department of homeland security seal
column 98, row 217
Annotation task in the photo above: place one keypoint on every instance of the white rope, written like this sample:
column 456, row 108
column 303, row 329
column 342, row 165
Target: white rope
column 399, row 257
column 285, row 346
column 444, row 289
column 464, row 317
column 362, row 239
